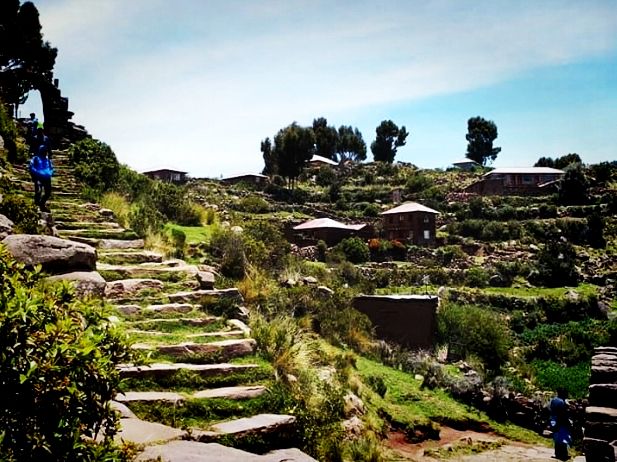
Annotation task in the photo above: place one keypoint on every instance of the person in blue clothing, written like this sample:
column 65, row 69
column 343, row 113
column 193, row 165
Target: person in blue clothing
column 40, row 139
column 41, row 170
column 560, row 424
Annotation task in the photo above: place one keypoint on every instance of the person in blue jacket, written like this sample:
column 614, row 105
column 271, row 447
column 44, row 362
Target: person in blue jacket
column 41, row 170
column 560, row 424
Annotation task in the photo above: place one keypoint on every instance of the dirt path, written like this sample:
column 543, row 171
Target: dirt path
column 509, row 452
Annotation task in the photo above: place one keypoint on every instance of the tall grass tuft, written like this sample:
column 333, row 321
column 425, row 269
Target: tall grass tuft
column 118, row 204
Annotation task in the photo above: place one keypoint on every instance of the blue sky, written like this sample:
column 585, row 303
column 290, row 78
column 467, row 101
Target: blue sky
column 197, row 84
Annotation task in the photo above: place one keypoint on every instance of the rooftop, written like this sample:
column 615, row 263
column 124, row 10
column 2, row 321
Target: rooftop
column 465, row 161
column 320, row 223
column 170, row 170
column 525, row 170
column 323, row 160
column 258, row 175
column 409, row 207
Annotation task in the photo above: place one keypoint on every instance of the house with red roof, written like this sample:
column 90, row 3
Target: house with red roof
column 411, row 223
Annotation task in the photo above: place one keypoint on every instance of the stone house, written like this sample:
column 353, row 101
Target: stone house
column 466, row 164
column 319, row 161
column 517, row 181
column 327, row 230
column 255, row 179
column 165, row 174
column 411, row 222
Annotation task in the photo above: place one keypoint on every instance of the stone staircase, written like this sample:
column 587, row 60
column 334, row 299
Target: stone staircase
column 200, row 387
column 600, row 440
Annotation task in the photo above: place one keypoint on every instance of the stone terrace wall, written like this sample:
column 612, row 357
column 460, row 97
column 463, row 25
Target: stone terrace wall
column 600, row 442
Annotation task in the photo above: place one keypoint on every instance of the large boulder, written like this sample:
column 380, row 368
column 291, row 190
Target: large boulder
column 55, row 255
column 85, row 282
column 6, row 227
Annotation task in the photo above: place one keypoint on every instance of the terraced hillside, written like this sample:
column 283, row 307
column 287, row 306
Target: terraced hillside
column 199, row 378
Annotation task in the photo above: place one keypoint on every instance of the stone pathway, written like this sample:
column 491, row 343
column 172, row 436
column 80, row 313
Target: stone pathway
column 194, row 357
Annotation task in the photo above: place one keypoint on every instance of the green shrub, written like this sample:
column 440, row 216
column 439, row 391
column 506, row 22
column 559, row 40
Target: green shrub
column 118, row 204
column 377, row 384
column 354, row 249
column 145, row 219
column 274, row 246
column 95, row 164
column 178, row 239
column 252, row 204
column 556, row 265
column 229, row 247
column 472, row 330
column 418, row 183
column 22, row 212
column 553, row 376
column 58, row 359
column 371, row 210
column 476, row 277
column 325, row 176
column 322, row 250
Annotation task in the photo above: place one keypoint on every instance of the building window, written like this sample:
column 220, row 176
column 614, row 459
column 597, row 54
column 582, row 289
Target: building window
column 427, row 234
column 426, row 219
column 411, row 235
column 527, row 179
column 401, row 218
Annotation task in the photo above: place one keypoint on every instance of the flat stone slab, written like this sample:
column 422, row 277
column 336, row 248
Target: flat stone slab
column 172, row 308
column 203, row 321
column 128, row 310
column 603, row 394
column 149, row 396
column 144, row 256
column 192, row 451
column 123, row 287
column 141, row 432
column 223, row 333
column 232, row 392
column 601, row 414
column 168, row 369
column 123, row 410
column 226, row 349
column 240, row 326
column 603, row 374
column 111, row 243
column 261, row 423
column 204, row 296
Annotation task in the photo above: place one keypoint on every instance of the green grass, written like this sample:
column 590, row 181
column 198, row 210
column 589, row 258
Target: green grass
column 582, row 289
column 194, row 234
column 411, row 406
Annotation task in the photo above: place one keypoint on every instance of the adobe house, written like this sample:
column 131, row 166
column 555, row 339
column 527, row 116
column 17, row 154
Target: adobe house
column 165, row 174
column 466, row 164
column 517, row 181
column 319, row 161
column 255, row 179
column 410, row 222
column 328, row 230
column 409, row 320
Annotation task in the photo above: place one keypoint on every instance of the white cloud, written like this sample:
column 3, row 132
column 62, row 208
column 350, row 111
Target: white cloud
column 196, row 84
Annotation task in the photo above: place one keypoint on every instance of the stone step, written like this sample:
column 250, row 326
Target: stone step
column 119, row 233
column 129, row 257
column 206, row 296
column 233, row 393
column 197, row 322
column 110, row 243
column 258, row 425
column 192, row 451
column 601, row 414
column 603, row 374
column 139, row 431
column 127, row 287
column 160, row 370
column 223, row 333
column 73, row 225
column 222, row 350
column 165, row 308
column 149, row 270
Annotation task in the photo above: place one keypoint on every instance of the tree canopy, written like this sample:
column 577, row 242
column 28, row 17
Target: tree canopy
column 293, row 148
column 25, row 58
column 351, row 145
column 559, row 162
column 326, row 138
column 389, row 138
column 480, row 136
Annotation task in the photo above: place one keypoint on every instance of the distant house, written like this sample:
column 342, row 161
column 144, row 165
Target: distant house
column 319, row 161
column 466, row 164
column 328, row 230
column 410, row 222
column 250, row 178
column 517, row 181
column 165, row 174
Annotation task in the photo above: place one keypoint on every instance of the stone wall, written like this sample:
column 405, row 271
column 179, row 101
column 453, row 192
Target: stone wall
column 600, row 442
column 409, row 320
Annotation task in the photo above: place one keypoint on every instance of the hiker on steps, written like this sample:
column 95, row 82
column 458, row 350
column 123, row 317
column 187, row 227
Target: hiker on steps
column 41, row 170
column 560, row 424
column 40, row 140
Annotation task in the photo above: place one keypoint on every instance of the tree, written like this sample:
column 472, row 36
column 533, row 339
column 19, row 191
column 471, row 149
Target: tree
column 350, row 146
column 326, row 138
column 270, row 165
column 25, row 59
column 545, row 162
column 569, row 159
column 595, row 230
column 557, row 264
column 480, row 136
column 389, row 138
column 574, row 186
column 293, row 148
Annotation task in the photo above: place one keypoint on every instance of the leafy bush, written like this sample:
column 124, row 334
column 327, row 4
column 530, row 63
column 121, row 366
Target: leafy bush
column 325, row 176
column 95, row 164
column 275, row 246
column 472, row 330
column 145, row 219
column 371, row 210
column 178, row 239
column 230, row 248
column 377, row 384
column 556, row 265
column 22, row 212
column 58, row 360
column 553, row 376
column 476, row 277
column 118, row 204
column 418, row 182
column 354, row 249
column 253, row 204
